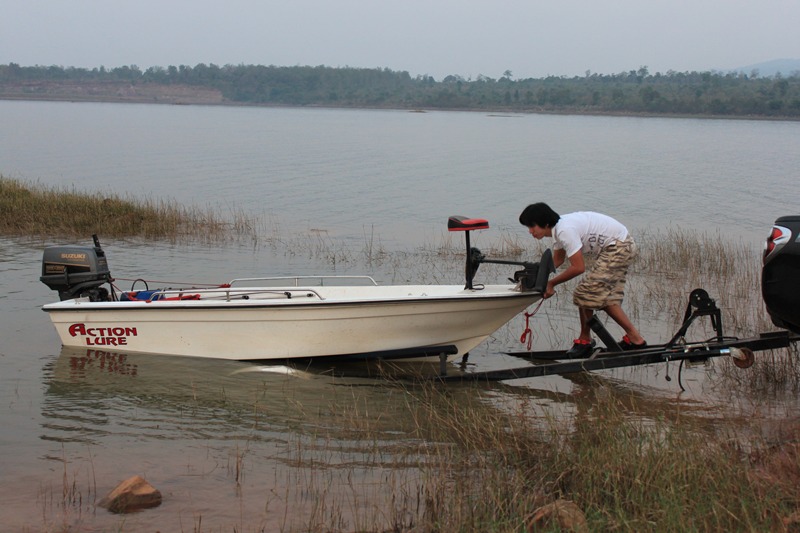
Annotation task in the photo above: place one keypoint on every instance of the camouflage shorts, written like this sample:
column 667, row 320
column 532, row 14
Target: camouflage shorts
column 604, row 283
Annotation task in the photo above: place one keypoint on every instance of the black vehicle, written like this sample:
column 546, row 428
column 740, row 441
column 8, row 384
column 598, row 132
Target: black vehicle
column 780, row 274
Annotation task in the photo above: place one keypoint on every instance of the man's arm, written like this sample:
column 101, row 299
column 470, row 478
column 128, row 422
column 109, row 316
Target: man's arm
column 576, row 267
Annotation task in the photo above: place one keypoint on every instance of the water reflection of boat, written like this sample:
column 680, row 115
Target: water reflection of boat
column 95, row 394
column 115, row 368
column 110, row 381
column 284, row 318
column 115, row 373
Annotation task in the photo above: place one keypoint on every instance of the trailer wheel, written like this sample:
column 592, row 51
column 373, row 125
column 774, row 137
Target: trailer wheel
column 743, row 357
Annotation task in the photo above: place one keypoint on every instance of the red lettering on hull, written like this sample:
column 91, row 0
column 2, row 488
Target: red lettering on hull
column 106, row 336
column 106, row 341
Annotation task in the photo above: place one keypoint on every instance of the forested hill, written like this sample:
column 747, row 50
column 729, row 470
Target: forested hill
column 633, row 92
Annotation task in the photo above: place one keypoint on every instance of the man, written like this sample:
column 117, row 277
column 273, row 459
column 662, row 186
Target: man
column 580, row 234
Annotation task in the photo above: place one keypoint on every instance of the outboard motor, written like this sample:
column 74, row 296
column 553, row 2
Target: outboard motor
column 76, row 271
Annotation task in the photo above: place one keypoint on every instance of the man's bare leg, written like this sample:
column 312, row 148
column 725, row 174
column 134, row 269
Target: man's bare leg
column 585, row 315
column 618, row 315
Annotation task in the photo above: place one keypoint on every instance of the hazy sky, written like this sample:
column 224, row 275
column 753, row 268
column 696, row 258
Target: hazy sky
column 531, row 38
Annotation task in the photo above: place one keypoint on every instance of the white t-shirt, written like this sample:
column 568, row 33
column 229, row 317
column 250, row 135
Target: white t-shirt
column 587, row 231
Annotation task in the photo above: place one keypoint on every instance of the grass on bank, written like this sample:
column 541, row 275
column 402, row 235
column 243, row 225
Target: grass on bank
column 624, row 470
column 36, row 210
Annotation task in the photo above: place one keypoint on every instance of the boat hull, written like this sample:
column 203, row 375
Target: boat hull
column 363, row 322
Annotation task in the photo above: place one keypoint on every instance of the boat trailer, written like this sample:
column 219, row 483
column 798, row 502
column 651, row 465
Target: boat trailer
column 700, row 304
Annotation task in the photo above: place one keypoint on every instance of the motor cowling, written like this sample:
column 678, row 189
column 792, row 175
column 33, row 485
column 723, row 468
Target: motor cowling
column 527, row 277
column 534, row 276
column 76, row 271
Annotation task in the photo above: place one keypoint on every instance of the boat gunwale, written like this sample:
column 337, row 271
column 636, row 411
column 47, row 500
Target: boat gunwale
column 273, row 303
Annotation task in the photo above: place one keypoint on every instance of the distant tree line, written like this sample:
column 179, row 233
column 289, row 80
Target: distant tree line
column 635, row 91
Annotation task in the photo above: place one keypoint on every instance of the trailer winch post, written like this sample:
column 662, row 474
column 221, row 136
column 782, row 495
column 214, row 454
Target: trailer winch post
column 700, row 304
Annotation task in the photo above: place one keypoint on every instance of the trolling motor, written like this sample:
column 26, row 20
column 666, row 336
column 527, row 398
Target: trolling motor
column 77, row 271
column 532, row 277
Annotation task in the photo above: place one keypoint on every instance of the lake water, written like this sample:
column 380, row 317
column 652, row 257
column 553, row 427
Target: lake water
column 401, row 174
column 240, row 445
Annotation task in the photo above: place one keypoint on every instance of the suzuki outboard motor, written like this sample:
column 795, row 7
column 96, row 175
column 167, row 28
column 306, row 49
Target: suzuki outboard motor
column 76, row 271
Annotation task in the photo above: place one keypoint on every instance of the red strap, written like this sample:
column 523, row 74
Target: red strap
column 528, row 334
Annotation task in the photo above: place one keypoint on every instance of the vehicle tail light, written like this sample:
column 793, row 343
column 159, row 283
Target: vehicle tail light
column 777, row 237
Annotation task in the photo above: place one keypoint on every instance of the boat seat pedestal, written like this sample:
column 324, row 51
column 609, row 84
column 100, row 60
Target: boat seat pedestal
column 465, row 224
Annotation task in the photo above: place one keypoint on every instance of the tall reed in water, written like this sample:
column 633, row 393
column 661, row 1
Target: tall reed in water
column 34, row 210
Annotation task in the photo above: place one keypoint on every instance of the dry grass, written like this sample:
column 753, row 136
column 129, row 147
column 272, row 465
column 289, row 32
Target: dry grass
column 35, row 210
column 482, row 468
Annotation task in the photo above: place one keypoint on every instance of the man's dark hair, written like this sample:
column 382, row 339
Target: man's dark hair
column 539, row 214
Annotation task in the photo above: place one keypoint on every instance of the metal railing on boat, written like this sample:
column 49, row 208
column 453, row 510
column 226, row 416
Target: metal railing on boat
column 228, row 293
column 296, row 279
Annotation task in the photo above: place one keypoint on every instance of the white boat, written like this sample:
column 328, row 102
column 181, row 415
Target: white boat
column 284, row 318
